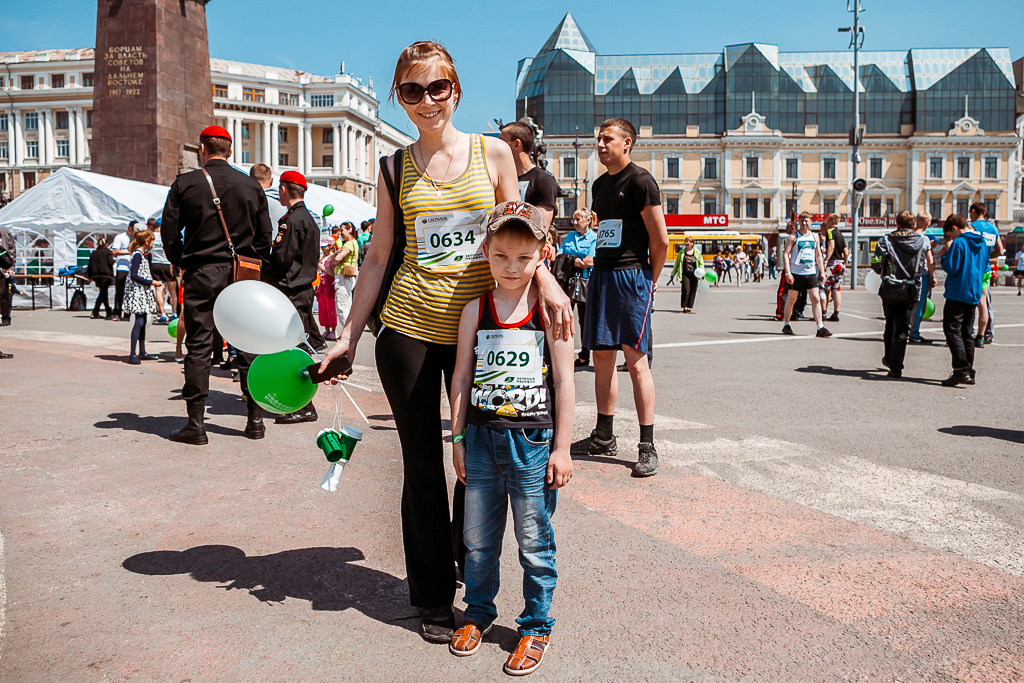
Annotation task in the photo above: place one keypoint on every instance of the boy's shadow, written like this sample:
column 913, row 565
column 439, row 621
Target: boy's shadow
column 326, row 577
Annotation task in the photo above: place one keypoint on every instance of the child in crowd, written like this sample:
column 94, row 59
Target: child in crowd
column 513, row 386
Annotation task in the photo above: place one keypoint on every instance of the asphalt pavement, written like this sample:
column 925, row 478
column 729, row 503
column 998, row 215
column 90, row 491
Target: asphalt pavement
column 812, row 520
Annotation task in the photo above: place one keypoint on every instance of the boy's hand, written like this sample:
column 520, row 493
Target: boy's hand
column 559, row 469
column 459, row 460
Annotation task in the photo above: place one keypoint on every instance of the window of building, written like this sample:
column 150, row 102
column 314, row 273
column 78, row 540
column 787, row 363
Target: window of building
column 792, row 168
column 935, row 206
column 87, row 80
column 245, row 131
column 568, row 167
column 28, row 180
column 875, row 168
column 57, row 81
column 710, row 205
column 328, row 160
column 60, row 120
column 28, row 82
column 3, row 122
column 767, row 206
column 4, row 151
column 751, row 207
column 2, row 82
column 321, row 100
column 935, row 169
column 220, row 90
column 890, row 207
column 63, row 148
column 245, row 156
column 829, row 170
column 88, row 118
column 790, row 207
column 31, row 120
column 282, row 134
column 990, row 206
column 672, row 170
column 672, row 205
column 875, row 207
column 963, row 167
column 710, row 168
column 736, row 207
column 991, row 167
column 753, row 166
column 828, row 205
column 289, row 99
column 32, row 149
column 282, row 159
column 253, row 95
column 568, row 206
column 328, row 136
column 961, row 206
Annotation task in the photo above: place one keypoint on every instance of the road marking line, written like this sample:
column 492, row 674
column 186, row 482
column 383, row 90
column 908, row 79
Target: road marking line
column 3, row 591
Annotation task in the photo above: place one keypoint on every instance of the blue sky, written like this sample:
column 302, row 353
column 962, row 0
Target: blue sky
column 488, row 39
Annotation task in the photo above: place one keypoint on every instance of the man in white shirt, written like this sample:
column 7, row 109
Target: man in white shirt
column 122, row 265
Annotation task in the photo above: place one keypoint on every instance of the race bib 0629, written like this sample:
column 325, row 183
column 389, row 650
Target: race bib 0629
column 609, row 234
column 509, row 358
column 450, row 239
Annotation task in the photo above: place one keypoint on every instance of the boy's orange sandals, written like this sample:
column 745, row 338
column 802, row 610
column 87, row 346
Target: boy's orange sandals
column 466, row 640
column 527, row 656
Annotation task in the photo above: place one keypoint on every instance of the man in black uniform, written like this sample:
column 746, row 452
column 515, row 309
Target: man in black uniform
column 203, row 252
column 536, row 186
column 293, row 266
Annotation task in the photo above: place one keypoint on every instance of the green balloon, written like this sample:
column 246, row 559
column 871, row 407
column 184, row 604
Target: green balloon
column 278, row 382
column 929, row 309
column 710, row 275
column 172, row 328
column 328, row 210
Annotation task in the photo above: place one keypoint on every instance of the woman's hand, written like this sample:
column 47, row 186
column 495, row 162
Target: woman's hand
column 340, row 348
column 555, row 306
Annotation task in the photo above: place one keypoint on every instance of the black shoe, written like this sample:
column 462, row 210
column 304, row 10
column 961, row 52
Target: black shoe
column 94, row 316
column 194, row 431
column 226, row 365
column 823, row 333
column 956, row 378
column 622, row 368
column 970, row 379
column 307, row 414
column 5, row 356
column 647, row 461
column 595, row 446
column 254, row 427
column 786, row 329
column 796, row 316
column 979, row 342
column 582, row 362
column 148, row 356
column 894, row 374
column 134, row 360
column 834, row 318
column 915, row 340
column 437, row 625
column 5, row 322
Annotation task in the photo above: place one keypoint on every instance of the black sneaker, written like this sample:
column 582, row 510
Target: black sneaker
column 437, row 625
column 916, row 340
column 786, row 329
column 894, row 374
column 979, row 342
column 834, row 318
column 595, row 446
column 823, row 333
column 647, row 460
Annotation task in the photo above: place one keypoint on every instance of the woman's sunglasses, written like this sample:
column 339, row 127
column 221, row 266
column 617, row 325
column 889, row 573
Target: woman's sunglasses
column 412, row 93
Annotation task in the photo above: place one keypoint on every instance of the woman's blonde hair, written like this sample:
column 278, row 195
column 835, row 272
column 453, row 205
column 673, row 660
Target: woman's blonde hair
column 420, row 53
column 587, row 215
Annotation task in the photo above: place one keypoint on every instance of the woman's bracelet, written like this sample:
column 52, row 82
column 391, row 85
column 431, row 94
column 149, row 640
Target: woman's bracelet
column 460, row 437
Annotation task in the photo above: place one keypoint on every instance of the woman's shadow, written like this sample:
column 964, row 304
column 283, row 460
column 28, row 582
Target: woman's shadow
column 326, row 577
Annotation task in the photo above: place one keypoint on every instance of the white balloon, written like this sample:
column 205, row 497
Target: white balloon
column 872, row 282
column 702, row 285
column 257, row 318
column 699, row 273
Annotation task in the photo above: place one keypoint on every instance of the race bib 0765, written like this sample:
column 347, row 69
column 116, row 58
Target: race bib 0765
column 450, row 239
column 609, row 234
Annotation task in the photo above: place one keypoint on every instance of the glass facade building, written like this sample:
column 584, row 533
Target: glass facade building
column 568, row 86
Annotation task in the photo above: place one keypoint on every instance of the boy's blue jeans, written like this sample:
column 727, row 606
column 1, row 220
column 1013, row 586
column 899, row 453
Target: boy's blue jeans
column 505, row 465
column 926, row 291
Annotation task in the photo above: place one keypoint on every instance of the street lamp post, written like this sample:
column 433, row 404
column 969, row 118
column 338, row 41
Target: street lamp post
column 576, row 169
column 856, row 41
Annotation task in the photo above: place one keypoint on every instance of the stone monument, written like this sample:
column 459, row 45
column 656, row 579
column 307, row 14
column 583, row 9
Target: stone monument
column 152, row 94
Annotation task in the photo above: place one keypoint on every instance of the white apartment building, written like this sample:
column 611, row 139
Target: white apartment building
column 328, row 128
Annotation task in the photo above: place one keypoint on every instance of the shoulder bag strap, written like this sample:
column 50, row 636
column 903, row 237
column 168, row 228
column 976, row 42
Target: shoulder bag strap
column 220, row 212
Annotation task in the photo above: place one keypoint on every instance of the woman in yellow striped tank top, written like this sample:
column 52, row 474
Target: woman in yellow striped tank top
column 450, row 182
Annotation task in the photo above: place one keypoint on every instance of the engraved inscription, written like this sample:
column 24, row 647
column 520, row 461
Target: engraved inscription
column 125, row 70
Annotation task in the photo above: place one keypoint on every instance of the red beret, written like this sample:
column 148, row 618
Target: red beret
column 294, row 177
column 215, row 132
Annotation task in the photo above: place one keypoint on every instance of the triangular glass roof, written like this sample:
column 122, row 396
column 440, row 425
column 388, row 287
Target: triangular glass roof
column 568, row 36
column 931, row 66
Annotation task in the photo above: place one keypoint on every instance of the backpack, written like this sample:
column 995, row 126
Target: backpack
column 78, row 301
column 363, row 249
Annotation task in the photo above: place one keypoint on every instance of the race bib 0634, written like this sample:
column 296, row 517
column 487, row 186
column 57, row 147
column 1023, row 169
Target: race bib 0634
column 609, row 234
column 450, row 239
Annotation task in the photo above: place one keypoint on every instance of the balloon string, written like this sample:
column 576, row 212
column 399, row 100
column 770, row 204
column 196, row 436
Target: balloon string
column 336, row 422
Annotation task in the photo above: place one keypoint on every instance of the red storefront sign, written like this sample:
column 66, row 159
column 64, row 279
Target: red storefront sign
column 700, row 220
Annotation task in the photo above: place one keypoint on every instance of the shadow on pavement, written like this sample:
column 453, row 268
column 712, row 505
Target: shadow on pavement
column 604, row 459
column 382, row 418
column 157, row 425
column 325, row 577
column 1011, row 435
column 870, row 375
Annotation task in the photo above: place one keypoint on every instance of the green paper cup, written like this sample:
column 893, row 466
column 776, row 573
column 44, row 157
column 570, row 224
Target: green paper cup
column 338, row 445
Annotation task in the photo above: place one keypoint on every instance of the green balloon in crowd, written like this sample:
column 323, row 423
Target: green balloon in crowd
column 929, row 309
column 328, row 210
column 172, row 328
column 710, row 276
column 278, row 382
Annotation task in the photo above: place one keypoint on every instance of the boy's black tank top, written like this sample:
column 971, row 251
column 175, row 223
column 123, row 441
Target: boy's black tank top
column 509, row 406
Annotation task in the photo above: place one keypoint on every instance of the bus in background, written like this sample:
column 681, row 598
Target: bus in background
column 710, row 243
